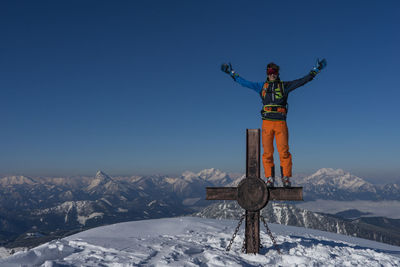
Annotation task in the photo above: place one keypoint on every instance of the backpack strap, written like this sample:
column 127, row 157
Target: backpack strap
column 263, row 92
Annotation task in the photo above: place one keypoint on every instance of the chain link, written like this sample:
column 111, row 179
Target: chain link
column 270, row 235
column 228, row 248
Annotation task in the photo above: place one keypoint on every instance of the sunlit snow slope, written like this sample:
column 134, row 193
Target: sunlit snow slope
column 189, row 241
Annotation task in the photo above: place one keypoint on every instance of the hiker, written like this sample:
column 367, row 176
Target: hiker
column 274, row 94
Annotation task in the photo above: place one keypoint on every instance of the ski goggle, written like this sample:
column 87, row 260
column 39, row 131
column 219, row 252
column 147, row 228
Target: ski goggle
column 272, row 71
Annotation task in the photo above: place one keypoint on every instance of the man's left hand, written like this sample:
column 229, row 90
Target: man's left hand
column 321, row 64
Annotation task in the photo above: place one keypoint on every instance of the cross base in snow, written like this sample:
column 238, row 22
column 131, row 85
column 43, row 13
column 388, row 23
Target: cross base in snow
column 252, row 193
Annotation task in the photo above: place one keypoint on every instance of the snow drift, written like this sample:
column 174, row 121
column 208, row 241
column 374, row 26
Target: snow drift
column 189, row 241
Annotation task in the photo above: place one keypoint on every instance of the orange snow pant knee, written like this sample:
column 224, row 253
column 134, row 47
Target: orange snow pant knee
column 279, row 130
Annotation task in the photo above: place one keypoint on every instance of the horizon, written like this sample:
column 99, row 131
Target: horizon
column 373, row 179
column 136, row 87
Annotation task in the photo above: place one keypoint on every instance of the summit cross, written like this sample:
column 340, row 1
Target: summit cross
column 252, row 193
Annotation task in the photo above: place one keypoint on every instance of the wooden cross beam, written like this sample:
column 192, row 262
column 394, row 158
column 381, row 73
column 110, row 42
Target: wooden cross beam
column 252, row 193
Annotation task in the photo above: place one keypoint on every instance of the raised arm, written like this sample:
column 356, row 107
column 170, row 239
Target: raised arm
column 256, row 86
column 290, row 86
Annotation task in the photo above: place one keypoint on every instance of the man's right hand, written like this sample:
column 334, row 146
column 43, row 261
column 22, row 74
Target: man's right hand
column 227, row 68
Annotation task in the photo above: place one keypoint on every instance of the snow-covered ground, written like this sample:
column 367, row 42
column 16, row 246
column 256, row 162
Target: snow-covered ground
column 188, row 241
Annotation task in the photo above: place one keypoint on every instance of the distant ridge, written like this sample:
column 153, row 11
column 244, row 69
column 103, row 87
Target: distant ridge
column 57, row 206
column 337, row 184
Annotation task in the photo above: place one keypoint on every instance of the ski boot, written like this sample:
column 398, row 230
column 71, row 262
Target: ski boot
column 286, row 181
column 270, row 181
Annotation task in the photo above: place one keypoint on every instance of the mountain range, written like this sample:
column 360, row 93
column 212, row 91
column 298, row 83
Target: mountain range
column 337, row 184
column 35, row 210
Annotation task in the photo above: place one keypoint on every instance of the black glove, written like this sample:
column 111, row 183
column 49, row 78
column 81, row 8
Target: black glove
column 227, row 68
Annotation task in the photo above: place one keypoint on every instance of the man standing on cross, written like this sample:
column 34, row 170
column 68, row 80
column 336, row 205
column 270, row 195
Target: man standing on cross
column 274, row 94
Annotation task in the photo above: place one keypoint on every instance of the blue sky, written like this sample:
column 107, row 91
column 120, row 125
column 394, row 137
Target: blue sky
column 134, row 87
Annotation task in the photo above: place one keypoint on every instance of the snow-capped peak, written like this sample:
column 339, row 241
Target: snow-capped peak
column 102, row 175
column 212, row 174
column 100, row 178
column 338, row 178
column 16, row 180
column 189, row 176
column 329, row 171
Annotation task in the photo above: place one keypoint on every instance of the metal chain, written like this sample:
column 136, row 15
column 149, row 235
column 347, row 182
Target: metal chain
column 270, row 235
column 228, row 248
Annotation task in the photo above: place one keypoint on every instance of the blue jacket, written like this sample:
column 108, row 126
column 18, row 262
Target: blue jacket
column 274, row 94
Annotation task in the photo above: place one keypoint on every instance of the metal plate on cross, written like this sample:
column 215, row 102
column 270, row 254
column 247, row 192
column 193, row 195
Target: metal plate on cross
column 252, row 194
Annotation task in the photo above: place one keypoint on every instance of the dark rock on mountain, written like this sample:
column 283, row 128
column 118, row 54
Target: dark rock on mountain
column 378, row 229
column 351, row 214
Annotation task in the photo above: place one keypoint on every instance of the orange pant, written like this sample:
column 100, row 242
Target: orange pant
column 279, row 130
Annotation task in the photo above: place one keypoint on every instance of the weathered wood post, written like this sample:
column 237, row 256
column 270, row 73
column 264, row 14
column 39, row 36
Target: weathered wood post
column 252, row 192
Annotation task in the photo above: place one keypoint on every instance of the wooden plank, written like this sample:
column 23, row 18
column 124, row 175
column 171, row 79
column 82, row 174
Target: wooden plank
column 253, row 153
column 252, row 232
column 283, row 193
column 221, row 193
